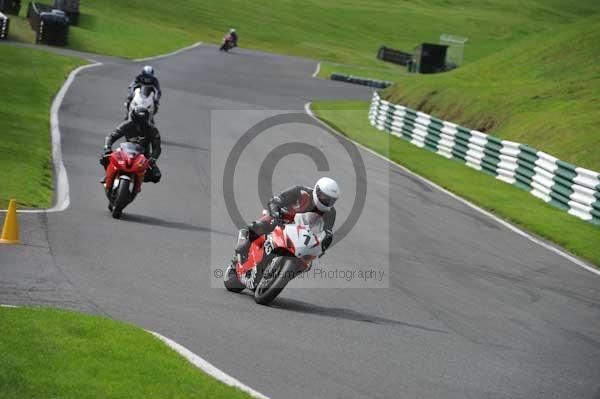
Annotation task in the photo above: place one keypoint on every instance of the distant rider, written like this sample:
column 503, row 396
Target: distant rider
column 283, row 207
column 234, row 37
column 230, row 38
column 138, row 130
column 145, row 78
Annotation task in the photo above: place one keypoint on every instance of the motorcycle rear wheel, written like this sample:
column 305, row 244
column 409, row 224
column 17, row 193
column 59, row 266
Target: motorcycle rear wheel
column 276, row 276
column 121, row 199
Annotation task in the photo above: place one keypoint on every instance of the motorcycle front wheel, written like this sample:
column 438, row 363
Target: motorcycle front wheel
column 121, row 198
column 276, row 276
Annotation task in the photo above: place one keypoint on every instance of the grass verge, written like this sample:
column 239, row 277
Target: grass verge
column 29, row 80
column 519, row 207
column 343, row 31
column 59, row 354
column 543, row 91
column 20, row 30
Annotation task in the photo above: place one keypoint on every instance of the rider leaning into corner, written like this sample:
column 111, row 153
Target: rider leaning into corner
column 283, row 207
column 138, row 130
column 146, row 78
column 234, row 36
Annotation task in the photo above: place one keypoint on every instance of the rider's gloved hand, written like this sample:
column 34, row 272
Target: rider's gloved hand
column 103, row 159
column 327, row 240
column 275, row 212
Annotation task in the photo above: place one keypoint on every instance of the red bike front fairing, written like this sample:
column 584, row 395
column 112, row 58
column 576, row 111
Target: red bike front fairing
column 128, row 159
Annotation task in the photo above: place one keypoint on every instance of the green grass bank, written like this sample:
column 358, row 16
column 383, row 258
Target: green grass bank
column 59, row 354
column 543, row 91
column 348, row 31
column 29, row 81
column 579, row 237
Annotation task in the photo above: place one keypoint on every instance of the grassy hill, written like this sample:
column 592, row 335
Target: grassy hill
column 543, row 91
column 348, row 31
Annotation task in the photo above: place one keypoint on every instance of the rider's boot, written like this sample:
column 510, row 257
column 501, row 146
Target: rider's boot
column 243, row 245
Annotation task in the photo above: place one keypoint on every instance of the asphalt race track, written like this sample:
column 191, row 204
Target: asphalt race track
column 466, row 308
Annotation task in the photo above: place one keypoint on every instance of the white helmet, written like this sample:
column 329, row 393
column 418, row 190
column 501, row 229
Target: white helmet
column 231, row 30
column 325, row 194
column 148, row 71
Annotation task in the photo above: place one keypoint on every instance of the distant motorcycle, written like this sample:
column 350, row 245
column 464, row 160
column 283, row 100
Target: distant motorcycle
column 144, row 96
column 275, row 259
column 228, row 43
column 124, row 176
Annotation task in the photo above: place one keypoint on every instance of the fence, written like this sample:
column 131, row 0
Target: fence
column 378, row 84
column 561, row 184
column 4, row 25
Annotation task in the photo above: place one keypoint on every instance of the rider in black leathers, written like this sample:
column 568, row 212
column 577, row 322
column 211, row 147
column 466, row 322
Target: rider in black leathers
column 283, row 207
column 138, row 130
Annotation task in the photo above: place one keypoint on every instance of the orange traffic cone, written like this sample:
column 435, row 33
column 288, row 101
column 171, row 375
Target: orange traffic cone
column 10, row 231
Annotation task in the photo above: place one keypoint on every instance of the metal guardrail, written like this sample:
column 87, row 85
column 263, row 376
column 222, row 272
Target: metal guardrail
column 561, row 184
column 379, row 84
column 395, row 56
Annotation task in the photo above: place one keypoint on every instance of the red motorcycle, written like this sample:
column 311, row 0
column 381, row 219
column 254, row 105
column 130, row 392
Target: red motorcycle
column 228, row 43
column 124, row 176
column 276, row 258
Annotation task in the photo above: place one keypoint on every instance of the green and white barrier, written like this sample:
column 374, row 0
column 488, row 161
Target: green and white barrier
column 573, row 189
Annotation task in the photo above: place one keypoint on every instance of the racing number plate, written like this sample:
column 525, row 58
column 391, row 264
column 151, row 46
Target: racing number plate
column 268, row 246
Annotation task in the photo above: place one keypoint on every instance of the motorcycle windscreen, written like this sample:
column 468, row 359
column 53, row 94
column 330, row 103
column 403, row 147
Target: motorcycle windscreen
column 311, row 219
column 146, row 91
column 131, row 149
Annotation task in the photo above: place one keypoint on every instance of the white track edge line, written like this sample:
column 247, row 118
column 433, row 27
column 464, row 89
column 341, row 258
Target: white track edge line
column 317, row 70
column 181, row 50
column 61, row 192
column 504, row 223
column 197, row 361
column 62, row 182
column 207, row 367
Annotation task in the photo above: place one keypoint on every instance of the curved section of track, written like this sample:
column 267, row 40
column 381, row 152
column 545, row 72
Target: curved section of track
column 472, row 309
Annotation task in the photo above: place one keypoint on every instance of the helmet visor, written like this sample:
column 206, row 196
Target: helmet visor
column 324, row 198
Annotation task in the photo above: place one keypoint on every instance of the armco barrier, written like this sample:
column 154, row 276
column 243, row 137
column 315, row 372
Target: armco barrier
column 4, row 25
column 395, row 56
column 561, row 184
column 378, row 84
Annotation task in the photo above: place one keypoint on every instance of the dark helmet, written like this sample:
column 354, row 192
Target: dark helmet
column 140, row 115
column 148, row 71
